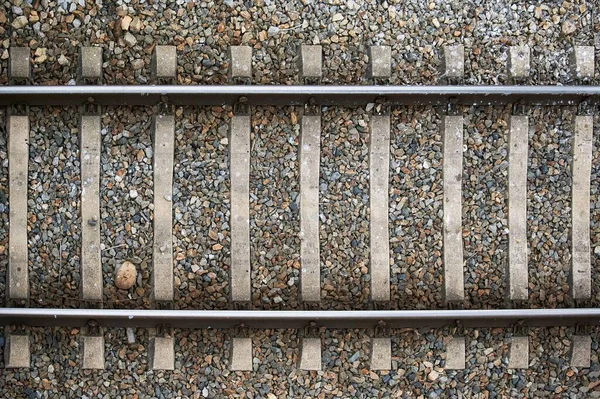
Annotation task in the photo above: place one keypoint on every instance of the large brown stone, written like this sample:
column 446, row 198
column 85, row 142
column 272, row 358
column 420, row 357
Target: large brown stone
column 125, row 276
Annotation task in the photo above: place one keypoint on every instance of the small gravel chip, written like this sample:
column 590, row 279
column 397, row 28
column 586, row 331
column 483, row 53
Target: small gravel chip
column 136, row 25
column 125, row 22
column 62, row 60
column 20, row 22
column 125, row 276
column 137, row 64
column 130, row 335
column 568, row 27
column 133, row 193
column 433, row 375
column 130, row 40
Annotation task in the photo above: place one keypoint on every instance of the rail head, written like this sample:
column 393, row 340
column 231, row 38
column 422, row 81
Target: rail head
column 297, row 95
column 262, row 319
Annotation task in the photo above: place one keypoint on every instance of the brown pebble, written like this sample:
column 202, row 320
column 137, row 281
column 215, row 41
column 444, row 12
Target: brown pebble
column 125, row 276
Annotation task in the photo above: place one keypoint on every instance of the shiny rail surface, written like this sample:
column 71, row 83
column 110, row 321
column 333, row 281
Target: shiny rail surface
column 297, row 95
column 263, row 319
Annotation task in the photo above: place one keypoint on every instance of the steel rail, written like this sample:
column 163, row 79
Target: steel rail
column 262, row 319
column 296, row 95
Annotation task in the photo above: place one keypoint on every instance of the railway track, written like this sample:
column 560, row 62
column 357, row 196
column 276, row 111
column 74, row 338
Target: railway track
column 312, row 294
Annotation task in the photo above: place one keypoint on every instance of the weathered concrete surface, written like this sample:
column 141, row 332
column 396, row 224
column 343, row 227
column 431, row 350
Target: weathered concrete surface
column 310, row 155
column 517, row 208
column 162, row 254
column 453, row 243
column 581, row 283
column 91, row 266
column 240, row 201
column 18, row 158
column 379, row 169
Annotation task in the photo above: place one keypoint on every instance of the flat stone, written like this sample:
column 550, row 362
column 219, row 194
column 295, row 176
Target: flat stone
column 240, row 203
column 311, row 59
column 90, row 63
column 93, row 352
column 310, row 354
column 17, row 351
column 453, row 242
column 583, row 62
column 130, row 39
column 455, row 353
column 91, row 266
column 20, row 66
column 518, row 289
column 164, row 62
column 581, row 351
column 125, row 22
column 18, row 157
column 310, row 262
column 519, row 63
column 380, row 59
column 240, row 64
column 568, row 27
column 241, row 354
column 162, row 353
column 20, row 22
column 162, row 252
column 518, row 354
column 379, row 170
column 453, row 61
column 381, row 353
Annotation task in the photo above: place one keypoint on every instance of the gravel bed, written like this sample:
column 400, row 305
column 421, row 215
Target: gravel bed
column 416, row 208
column 202, row 356
column 130, row 46
column 343, row 197
column 274, row 212
column 128, row 31
column 54, row 221
column 201, row 233
column 202, row 31
column 549, row 205
column 550, row 30
column 274, row 357
column 485, row 205
column 595, row 213
column 550, row 374
column 126, row 184
column 53, row 33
